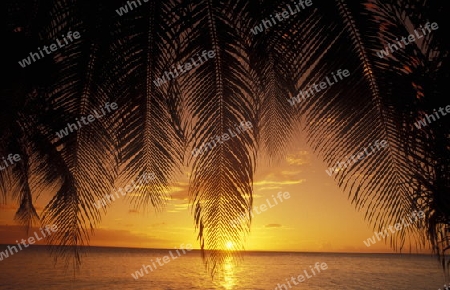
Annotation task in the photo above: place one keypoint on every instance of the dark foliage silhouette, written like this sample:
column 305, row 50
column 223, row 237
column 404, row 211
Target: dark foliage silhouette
column 250, row 78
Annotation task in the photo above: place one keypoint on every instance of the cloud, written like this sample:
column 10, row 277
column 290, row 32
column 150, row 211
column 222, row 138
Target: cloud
column 272, row 185
column 14, row 207
column 299, row 158
column 273, row 188
column 179, row 190
column 158, row 224
column 179, row 207
column 325, row 245
column 180, row 195
column 101, row 237
column 290, row 173
column 124, row 238
column 178, row 186
column 9, row 234
column 273, row 182
column 273, row 226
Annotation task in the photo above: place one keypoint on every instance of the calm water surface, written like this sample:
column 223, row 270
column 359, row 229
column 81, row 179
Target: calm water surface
column 111, row 268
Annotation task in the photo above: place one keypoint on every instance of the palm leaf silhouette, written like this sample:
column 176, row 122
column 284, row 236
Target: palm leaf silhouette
column 219, row 96
column 250, row 79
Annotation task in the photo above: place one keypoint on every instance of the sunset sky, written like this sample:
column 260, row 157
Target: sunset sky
column 316, row 217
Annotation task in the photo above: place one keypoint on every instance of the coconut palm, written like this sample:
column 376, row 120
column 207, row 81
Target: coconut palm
column 250, row 78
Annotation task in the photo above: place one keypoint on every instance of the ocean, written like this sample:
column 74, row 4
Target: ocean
column 111, row 268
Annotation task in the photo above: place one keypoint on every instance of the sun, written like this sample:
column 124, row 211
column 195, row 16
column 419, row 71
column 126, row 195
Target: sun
column 229, row 245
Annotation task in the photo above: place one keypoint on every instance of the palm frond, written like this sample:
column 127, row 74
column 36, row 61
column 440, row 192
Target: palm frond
column 220, row 96
column 148, row 126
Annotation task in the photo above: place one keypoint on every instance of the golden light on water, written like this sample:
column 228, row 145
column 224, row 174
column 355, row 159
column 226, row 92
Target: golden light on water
column 228, row 280
column 229, row 245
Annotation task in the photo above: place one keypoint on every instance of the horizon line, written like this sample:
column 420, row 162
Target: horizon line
column 237, row 251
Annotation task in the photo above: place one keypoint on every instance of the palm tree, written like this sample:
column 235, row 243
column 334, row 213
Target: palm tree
column 250, row 79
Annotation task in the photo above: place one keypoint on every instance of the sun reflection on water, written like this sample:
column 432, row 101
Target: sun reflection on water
column 228, row 278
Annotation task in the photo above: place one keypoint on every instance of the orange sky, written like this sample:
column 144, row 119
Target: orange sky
column 316, row 217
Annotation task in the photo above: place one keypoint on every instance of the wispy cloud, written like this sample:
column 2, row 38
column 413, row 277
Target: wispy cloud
column 270, row 188
column 273, row 182
column 273, row 226
column 178, row 190
column 128, row 238
column 179, row 207
column 288, row 173
column 157, row 225
column 299, row 158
